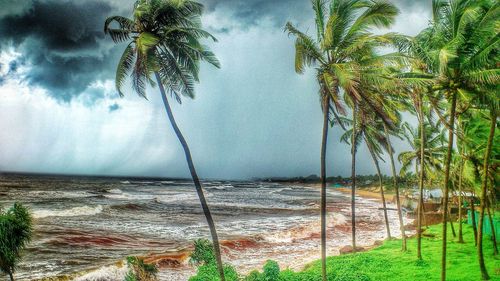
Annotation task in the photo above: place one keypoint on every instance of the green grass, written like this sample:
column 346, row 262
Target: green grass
column 384, row 263
column 387, row 262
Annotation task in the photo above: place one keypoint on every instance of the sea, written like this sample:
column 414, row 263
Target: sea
column 86, row 226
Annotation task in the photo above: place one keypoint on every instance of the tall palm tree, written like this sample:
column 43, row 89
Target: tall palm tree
column 426, row 155
column 16, row 230
column 369, row 129
column 396, row 188
column 164, row 41
column 343, row 39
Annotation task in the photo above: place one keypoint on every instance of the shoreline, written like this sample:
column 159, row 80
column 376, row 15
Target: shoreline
column 174, row 265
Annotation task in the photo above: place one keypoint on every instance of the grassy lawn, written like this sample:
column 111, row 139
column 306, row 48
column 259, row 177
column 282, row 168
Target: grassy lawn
column 387, row 262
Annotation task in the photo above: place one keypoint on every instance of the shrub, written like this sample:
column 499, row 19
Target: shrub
column 16, row 229
column 140, row 271
column 203, row 252
column 203, row 256
column 271, row 272
column 209, row 272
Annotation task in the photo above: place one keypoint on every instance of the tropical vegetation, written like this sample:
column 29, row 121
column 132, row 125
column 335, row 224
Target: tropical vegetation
column 388, row 262
column 446, row 73
column 16, row 231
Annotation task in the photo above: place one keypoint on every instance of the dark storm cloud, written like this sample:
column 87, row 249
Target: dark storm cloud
column 64, row 46
column 63, row 43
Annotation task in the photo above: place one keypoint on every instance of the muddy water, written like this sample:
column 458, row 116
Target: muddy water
column 89, row 223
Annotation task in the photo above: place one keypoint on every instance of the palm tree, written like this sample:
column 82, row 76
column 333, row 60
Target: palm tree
column 370, row 130
column 477, row 128
column 16, row 230
column 461, row 53
column 461, row 149
column 396, row 187
column 164, row 40
column 426, row 159
column 343, row 39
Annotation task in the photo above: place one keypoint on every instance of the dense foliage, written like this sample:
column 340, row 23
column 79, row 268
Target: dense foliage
column 203, row 256
column 16, row 230
column 140, row 271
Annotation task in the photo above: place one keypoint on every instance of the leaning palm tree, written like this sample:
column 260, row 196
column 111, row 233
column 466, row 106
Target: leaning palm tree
column 164, row 41
column 370, row 130
column 343, row 38
column 16, row 230
column 390, row 151
column 425, row 155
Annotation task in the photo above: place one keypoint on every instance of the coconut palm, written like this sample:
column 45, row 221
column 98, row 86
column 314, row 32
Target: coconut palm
column 461, row 52
column 164, row 42
column 343, row 38
column 426, row 159
column 479, row 170
column 370, row 130
column 395, row 183
column 16, row 230
column 434, row 149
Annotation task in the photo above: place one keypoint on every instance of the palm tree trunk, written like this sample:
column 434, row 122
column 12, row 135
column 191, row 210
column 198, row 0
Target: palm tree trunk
column 326, row 109
column 460, row 198
column 353, row 178
column 484, row 190
column 447, row 182
column 421, row 176
column 196, row 180
column 473, row 219
column 420, row 213
column 396, row 188
column 375, row 161
column 451, row 223
column 493, row 234
column 11, row 276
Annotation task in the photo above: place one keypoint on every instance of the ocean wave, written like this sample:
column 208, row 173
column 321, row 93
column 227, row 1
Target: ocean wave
column 304, row 229
column 106, row 273
column 73, row 212
column 218, row 187
column 179, row 197
column 117, row 194
column 278, row 190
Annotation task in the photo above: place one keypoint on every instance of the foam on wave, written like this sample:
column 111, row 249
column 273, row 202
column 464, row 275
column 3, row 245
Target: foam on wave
column 73, row 212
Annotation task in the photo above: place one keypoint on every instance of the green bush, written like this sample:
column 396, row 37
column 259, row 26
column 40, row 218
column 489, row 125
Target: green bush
column 203, row 256
column 203, row 253
column 140, row 271
column 271, row 272
column 209, row 272
column 16, row 230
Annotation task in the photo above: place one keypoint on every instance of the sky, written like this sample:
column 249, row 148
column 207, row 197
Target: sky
column 254, row 117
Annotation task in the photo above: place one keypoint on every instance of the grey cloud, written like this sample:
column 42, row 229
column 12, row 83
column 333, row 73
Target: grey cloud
column 14, row 7
column 63, row 43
